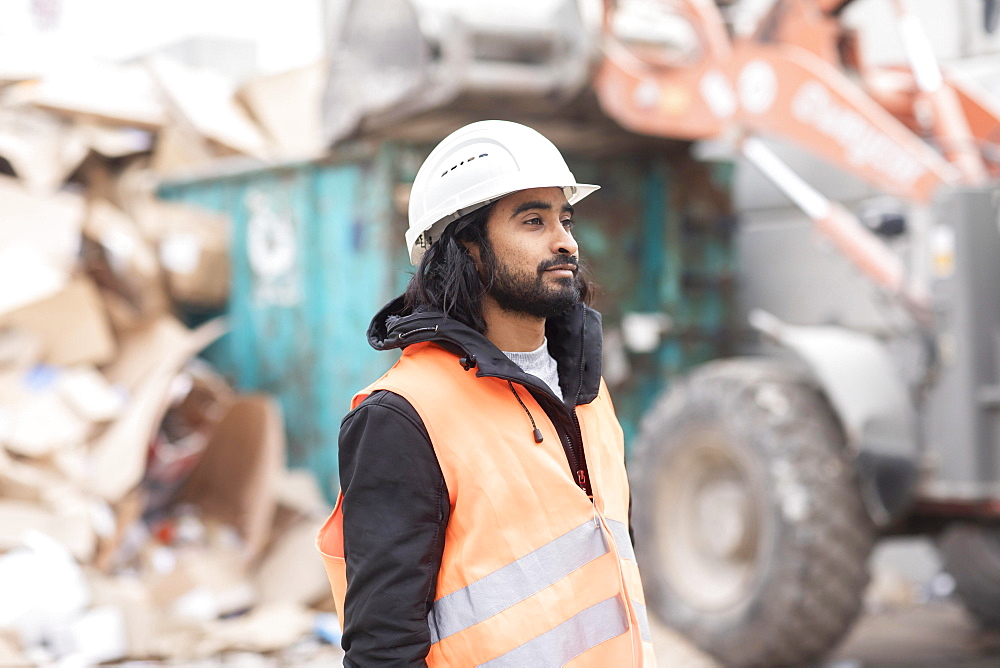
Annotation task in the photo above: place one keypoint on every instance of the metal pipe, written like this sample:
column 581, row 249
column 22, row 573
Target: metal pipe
column 949, row 123
column 858, row 244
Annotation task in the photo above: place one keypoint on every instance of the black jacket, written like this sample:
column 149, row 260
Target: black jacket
column 396, row 503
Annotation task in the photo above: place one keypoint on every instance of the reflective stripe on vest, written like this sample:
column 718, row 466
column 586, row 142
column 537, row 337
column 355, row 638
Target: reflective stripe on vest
column 640, row 612
column 584, row 630
column 623, row 540
column 516, row 581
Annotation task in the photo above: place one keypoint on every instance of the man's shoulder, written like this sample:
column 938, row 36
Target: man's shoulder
column 422, row 367
column 382, row 400
column 385, row 412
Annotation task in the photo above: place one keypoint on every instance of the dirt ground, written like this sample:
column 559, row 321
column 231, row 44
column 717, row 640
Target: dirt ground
column 904, row 625
column 908, row 621
column 933, row 635
column 930, row 635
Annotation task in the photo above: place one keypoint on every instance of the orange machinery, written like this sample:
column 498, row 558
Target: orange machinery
column 800, row 76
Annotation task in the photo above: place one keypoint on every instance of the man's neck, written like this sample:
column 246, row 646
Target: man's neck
column 512, row 332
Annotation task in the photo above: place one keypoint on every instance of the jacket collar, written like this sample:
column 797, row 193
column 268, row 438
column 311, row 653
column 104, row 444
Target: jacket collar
column 574, row 340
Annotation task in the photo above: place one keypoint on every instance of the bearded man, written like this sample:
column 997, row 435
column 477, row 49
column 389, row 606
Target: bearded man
column 483, row 511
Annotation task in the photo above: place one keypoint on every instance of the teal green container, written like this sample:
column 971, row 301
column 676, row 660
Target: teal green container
column 317, row 249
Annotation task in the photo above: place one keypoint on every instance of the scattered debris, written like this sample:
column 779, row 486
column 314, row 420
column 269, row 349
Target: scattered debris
column 145, row 508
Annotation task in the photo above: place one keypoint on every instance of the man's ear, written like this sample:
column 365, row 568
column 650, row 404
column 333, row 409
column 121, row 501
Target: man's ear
column 472, row 248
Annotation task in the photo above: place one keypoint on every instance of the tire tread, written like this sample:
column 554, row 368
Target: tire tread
column 814, row 587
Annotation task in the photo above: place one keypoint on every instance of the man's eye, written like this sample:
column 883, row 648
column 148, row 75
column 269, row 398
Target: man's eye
column 533, row 221
column 568, row 223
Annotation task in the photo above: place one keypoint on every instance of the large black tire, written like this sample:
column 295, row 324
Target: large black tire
column 971, row 553
column 749, row 525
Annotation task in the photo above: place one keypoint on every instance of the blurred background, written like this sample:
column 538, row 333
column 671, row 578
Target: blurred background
column 202, row 205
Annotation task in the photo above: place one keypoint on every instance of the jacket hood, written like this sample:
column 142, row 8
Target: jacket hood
column 574, row 341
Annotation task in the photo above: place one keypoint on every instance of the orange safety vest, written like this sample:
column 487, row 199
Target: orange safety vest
column 533, row 573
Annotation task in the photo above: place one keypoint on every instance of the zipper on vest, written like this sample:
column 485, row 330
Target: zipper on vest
column 577, row 465
column 574, row 454
column 582, row 476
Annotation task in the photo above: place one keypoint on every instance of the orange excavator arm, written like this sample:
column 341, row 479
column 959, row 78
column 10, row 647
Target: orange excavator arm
column 772, row 87
column 793, row 78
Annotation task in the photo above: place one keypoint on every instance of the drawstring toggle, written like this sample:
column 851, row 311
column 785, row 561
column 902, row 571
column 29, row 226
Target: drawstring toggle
column 535, row 431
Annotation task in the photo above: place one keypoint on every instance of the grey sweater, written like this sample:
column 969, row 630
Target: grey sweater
column 541, row 364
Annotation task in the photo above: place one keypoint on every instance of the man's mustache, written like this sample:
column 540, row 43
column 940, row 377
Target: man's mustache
column 560, row 261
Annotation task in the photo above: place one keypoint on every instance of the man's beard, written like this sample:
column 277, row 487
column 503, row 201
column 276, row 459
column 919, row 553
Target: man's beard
column 529, row 295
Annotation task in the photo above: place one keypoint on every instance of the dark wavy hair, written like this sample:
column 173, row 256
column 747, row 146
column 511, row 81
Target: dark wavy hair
column 446, row 278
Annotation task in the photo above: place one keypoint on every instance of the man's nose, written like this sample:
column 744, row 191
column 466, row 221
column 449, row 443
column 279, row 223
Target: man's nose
column 564, row 243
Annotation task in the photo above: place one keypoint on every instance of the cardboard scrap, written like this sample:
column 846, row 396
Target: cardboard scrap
column 299, row 491
column 295, row 129
column 149, row 360
column 42, row 149
column 73, row 463
column 130, row 596
column 29, row 481
column 35, row 419
column 203, row 582
column 135, row 182
column 197, row 264
column 199, row 399
column 267, row 628
column 19, row 349
column 50, row 223
column 77, row 309
column 10, row 651
column 41, row 582
column 207, row 102
column 123, row 317
column 112, row 550
column 122, row 260
column 115, row 142
column 39, row 242
column 40, row 421
column 89, row 394
column 43, row 588
column 193, row 248
column 96, row 636
column 236, row 478
column 119, row 95
column 71, row 527
column 179, row 146
column 176, row 639
column 288, row 572
column 26, row 276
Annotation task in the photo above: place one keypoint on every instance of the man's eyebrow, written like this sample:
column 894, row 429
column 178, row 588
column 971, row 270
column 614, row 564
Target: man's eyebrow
column 539, row 204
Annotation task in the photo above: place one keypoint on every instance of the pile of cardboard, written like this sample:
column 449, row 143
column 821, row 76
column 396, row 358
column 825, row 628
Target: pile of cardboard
column 179, row 118
column 145, row 509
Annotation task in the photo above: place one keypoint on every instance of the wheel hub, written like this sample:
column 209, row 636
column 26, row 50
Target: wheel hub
column 711, row 524
column 724, row 524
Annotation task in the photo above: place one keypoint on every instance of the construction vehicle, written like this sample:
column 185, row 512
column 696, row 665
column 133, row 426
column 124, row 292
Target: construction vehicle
column 869, row 405
column 762, row 482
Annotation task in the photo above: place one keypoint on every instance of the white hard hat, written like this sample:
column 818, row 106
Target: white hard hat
column 476, row 165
